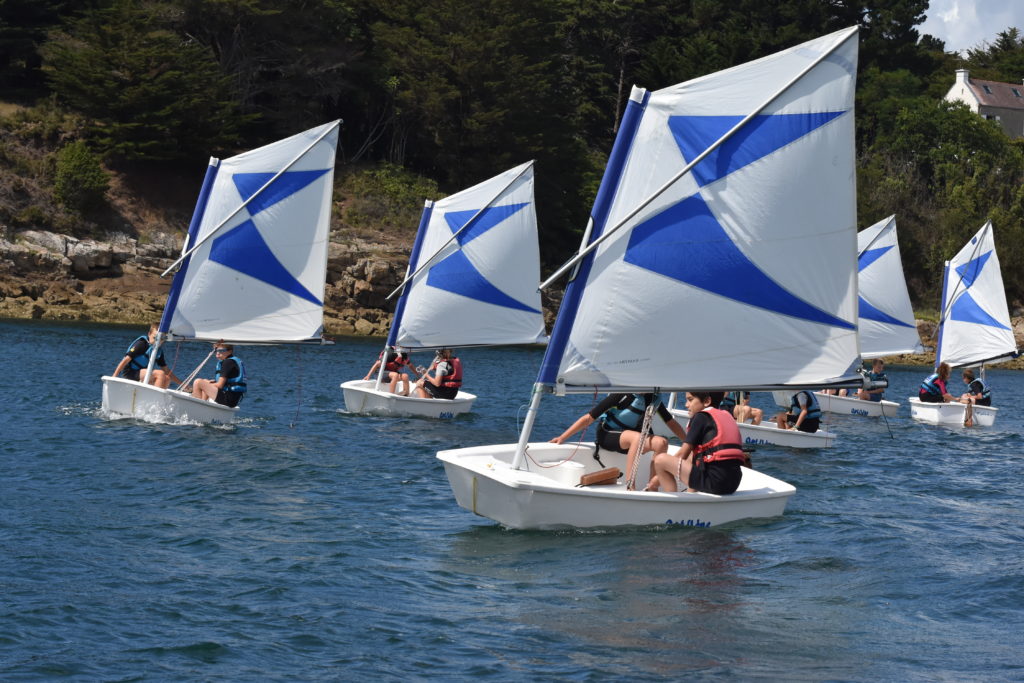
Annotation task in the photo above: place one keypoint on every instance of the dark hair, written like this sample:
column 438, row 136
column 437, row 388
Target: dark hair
column 968, row 373
column 703, row 396
column 944, row 371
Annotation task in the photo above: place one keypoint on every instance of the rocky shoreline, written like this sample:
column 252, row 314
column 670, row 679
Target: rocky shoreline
column 50, row 276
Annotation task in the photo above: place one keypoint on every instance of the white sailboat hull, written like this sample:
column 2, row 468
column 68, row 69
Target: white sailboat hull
column 125, row 398
column 845, row 405
column 484, row 483
column 361, row 397
column 950, row 414
column 769, row 434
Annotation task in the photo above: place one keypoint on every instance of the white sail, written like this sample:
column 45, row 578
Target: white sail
column 260, row 273
column 743, row 272
column 975, row 325
column 886, row 318
column 479, row 265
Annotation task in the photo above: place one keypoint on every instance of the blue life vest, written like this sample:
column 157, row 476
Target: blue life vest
column 235, row 384
column 141, row 362
column 929, row 386
column 629, row 417
column 729, row 401
column 876, row 377
column 813, row 409
column 986, row 392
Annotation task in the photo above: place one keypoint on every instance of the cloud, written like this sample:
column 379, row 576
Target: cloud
column 965, row 24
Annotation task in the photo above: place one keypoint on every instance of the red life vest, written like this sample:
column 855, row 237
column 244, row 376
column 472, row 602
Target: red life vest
column 727, row 442
column 394, row 362
column 454, row 379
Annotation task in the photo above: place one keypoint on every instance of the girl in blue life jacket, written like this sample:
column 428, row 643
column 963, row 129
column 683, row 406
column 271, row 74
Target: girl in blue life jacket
column 136, row 360
column 228, row 387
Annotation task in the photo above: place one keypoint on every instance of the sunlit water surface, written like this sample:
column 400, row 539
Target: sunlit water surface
column 304, row 543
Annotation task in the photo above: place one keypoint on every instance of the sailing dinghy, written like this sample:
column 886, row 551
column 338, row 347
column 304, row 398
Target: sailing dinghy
column 974, row 328
column 253, row 267
column 726, row 219
column 885, row 320
column 768, row 433
column 472, row 281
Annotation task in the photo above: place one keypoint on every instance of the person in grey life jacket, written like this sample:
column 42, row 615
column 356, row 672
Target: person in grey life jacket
column 978, row 392
column 395, row 362
column 136, row 360
column 228, row 386
column 804, row 413
column 447, row 379
column 620, row 418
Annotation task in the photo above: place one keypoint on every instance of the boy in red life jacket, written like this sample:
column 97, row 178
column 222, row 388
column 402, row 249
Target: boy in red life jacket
column 711, row 455
column 395, row 362
column 447, row 379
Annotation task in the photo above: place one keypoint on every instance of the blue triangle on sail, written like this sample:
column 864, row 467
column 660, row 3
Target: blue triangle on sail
column 965, row 309
column 869, row 312
column 869, row 257
column 287, row 184
column 491, row 216
column 457, row 275
column 244, row 249
column 970, row 271
column 685, row 242
column 761, row 136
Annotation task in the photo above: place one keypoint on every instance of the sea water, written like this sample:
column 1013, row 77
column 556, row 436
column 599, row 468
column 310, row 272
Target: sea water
column 304, row 543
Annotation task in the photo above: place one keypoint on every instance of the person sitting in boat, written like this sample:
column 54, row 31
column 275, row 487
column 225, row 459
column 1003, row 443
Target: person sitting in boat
column 136, row 360
column 619, row 419
column 933, row 388
column 446, row 380
column 711, row 455
column 395, row 361
column 978, row 392
column 804, row 413
column 228, row 386
column 877, row 374
column 737, row 404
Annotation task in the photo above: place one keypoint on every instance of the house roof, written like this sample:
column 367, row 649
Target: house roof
column 996, row 94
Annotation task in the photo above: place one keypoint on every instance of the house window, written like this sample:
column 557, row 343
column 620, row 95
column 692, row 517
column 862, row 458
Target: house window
column 1016, row 93
column 988, row 90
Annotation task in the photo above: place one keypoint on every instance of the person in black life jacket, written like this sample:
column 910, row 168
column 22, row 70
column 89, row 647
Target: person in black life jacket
column 228, row 387
column 804, row 413
column 395, row 363
column 621, row 418
column 737, row 404
column 978, row 391
column 711, row 455
column 136, row 360
column 447, row 378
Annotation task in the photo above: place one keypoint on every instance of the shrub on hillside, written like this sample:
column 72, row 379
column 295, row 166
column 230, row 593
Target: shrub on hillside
column 386, row 197
column 81, row 182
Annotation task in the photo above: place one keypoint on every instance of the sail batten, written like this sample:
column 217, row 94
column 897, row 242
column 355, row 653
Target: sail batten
column 741, row 273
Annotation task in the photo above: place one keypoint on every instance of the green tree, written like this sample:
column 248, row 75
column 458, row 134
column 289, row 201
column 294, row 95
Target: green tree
column 148, row 92
column 80, row 183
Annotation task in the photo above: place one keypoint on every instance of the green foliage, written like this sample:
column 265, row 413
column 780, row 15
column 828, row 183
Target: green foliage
column 148, row 94
column 80, row 182
column 388, row 197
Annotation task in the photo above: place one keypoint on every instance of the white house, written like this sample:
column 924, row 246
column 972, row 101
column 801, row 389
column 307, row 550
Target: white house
column 1003, row 102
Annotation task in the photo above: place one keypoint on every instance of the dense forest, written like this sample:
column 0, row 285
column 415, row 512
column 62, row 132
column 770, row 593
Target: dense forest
column 440, row 94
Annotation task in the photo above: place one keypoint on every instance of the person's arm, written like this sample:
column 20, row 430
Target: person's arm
column 120, row 366
column 376, row 366
column 582, row 423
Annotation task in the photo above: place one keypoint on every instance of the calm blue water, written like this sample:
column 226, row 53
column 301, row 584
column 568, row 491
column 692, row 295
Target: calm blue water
column 307, row 544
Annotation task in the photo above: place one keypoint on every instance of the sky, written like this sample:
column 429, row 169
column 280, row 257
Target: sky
column 965, row 24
